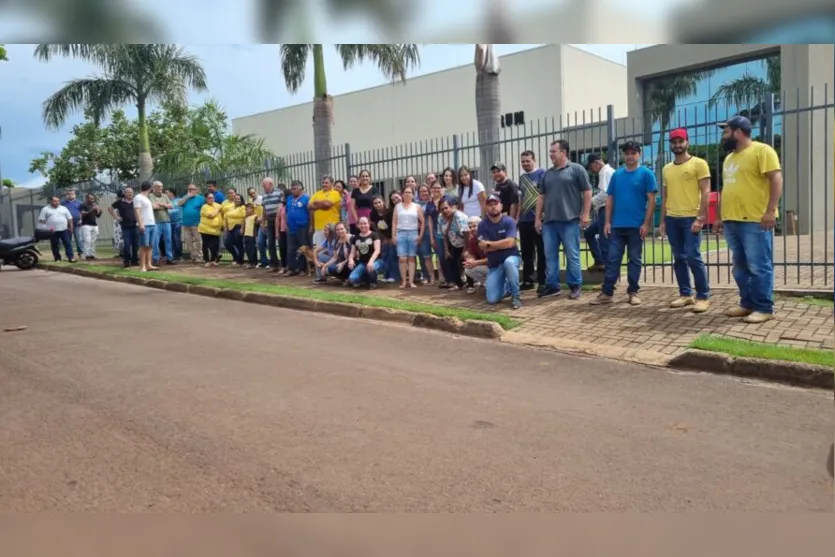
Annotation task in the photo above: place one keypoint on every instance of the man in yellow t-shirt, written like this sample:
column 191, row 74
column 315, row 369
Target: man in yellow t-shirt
column 686, row 193
column 325, row 208
column 753, row 184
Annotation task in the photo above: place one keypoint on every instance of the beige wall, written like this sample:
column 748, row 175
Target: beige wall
column 544, row 82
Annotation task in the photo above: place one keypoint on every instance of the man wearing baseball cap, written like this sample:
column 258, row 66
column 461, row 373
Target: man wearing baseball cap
column 752, row 186
column 597, row 242
column 506, row 189
column 684, row 202
column 497, row 239
column 629, row 210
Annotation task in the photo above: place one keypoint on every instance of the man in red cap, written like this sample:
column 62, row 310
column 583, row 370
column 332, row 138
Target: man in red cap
column 685, row 195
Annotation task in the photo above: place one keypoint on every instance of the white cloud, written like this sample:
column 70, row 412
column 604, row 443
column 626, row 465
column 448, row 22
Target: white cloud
column 34, row 182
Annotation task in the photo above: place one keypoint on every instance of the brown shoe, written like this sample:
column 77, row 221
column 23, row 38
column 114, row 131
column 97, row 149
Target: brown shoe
column 701, row 306
column 634, row 300
column 758, row 317
column 600, row 300
column 682, row 302
column 738, row 312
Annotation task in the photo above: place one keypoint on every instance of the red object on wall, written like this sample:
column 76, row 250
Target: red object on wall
column 713, row 201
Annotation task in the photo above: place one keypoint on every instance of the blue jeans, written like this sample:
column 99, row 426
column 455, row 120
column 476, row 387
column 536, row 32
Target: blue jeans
column 130, row 247
column 234, row 243
column 503, row 279
column 567, row 234
column 361, row 272
column 687, row 256
column 79, row 241
column 424, row 251
column 597, row 242
column 262, row 246
column 162, row 230
column 55, row 241
column 753, row 266
column 177, row 239
column 323, row 258
column 628, row 239
column 392, row 262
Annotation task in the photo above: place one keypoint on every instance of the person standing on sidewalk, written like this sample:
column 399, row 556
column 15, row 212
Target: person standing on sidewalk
column 73, row 205
column 271, row 199
column 162, row 224
column 565, row 200
column 124, row 208
column 597, row 242
column 533, row 251
column 298, row 227
column 753, row 185
column 90, row 213
column 145, row 221
column 685, row 196
column 57, row 218
column 506, row 189
column 190, row 205
column 325, row 208
column 176, row 215
column 629, row 210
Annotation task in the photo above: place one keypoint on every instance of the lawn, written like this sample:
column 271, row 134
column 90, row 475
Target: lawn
column 314, row 294
column 749, row 349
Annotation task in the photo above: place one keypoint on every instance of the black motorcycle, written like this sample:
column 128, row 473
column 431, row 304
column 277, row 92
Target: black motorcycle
column 21, row 252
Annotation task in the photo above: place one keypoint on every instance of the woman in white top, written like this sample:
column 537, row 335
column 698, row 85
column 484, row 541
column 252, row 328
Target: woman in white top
column 407, row 228
column 471, row 193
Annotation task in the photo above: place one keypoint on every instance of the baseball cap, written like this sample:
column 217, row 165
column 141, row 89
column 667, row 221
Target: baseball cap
column 498, row 166
column 737, row 123
column 631, row 145
column 679, row 133
column 494, row 197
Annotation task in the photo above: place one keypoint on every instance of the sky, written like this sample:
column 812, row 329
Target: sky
column 244, row 79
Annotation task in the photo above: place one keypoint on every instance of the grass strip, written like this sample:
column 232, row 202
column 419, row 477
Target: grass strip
column 809, row 300
column 298, row 292
column 749, row 349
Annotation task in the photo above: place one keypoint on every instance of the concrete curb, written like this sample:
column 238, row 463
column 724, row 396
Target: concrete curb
column 632, row 355
column 475, row 328
column 792, row 373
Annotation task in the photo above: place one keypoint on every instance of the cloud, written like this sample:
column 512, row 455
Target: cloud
column 34, row 182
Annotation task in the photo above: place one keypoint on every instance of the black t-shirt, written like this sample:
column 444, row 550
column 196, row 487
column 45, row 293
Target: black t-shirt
column 509, row 194
column 365, row 246
column 382, row 223
column 90, row 218
column 126, row 211
column 364, row 200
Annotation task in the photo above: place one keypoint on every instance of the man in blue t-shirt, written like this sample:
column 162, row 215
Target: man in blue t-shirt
column 629, row 208
column 190, row 205
column 73, row 205
column 533, row 250
column 298, row 226
column 497, row 239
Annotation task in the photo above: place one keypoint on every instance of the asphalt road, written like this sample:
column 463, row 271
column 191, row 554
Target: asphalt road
column 123, row 398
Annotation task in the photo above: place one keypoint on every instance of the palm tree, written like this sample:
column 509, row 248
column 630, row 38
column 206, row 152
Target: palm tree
column 393, row 60
column 132, row 73
column 488, row 106
column 748, row 91
column 662, row 97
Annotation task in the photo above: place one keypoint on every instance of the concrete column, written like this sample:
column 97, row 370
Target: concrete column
column 807, row 135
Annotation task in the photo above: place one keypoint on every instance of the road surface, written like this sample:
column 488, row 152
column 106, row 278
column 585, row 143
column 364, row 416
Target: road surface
column 124, row 398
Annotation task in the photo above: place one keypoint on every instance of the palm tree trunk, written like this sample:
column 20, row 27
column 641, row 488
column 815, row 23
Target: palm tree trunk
column 146, row 163
column 488, row 107
column 322, row 115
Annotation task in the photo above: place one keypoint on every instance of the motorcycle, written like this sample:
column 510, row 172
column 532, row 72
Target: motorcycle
column 22, row 252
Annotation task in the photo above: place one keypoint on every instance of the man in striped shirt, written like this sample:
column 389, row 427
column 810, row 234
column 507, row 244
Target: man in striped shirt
column 530, row 239
column 271, row 200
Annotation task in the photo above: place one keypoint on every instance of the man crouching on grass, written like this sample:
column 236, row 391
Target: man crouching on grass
column 497, row 238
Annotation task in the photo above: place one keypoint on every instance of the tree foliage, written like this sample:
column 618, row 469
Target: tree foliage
column 188, row 141
column 3, row 56
column 8, row 183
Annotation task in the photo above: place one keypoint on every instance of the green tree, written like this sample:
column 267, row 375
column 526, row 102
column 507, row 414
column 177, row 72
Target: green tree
column 747, row 92
column 3, row 56
column 8, row 183
column 393, row 60
column 137, row 74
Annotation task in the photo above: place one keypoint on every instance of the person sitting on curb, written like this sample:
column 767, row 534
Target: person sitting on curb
column 629, row 210
column 497, row 239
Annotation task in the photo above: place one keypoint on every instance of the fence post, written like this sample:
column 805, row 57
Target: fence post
column 767, row 124
column 348, row 164
column 456, row 147
column 611, row 137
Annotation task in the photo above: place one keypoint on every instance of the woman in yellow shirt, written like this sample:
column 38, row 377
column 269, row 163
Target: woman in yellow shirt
column 233, row 223
column 211, row 225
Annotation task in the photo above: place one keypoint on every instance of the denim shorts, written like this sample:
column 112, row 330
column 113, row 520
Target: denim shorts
column 407, row 243
column 425, row 246
column 145, row 238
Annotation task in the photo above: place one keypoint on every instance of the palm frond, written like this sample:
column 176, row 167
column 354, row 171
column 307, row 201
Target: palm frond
column 294, row 64
column 393, row 60
column 99, row 96
column 741, row 92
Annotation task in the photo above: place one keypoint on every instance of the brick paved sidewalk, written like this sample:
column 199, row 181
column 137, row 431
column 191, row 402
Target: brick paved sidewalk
column 651, row 326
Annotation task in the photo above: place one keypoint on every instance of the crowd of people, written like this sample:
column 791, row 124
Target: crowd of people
column 505, row 240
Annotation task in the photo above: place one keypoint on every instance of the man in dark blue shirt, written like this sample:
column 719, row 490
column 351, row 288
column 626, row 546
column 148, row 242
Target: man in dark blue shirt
column 629, row 208
column 298, row 226
column 497, row 239
column 530, row 240
column 73, row 205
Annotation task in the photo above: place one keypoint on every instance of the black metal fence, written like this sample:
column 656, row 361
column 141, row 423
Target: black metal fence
column 798, row 125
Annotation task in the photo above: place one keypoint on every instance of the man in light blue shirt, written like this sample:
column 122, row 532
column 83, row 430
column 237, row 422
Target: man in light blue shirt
column 176, row 216
column 629, row 208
